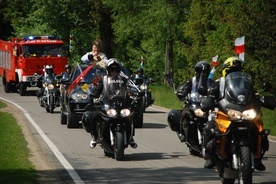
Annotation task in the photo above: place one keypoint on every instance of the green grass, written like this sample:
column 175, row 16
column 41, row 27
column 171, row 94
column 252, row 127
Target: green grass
column 165, row 97
column 269, row 119
column 15, row 167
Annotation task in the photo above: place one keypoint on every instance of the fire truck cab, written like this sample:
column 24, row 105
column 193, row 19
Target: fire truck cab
column 22, row 61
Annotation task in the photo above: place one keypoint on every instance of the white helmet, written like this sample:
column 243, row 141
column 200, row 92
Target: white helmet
column 49, row 68
column 113, row 64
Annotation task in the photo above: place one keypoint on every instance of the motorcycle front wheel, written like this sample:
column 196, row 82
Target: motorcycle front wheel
column 245, row 169
column 119, row 146
column 52, row 103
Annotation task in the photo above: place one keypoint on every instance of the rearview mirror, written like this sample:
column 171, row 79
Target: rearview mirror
column 267, row 86
column 207, row 103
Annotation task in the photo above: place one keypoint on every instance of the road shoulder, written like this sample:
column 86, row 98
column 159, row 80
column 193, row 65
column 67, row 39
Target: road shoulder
column 45, row 170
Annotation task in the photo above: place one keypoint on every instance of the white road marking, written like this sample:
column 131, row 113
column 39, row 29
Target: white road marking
column 74, row 175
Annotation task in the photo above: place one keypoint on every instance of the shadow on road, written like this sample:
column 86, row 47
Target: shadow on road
column 154, row 125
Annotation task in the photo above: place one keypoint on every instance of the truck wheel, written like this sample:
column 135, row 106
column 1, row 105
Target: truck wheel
column 22, row 89
column 4, row 80
column 8, row 87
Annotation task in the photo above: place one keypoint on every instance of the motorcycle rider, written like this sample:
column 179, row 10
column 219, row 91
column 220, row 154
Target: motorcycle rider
column 140, row 75
column 231, row 64
column 49, row 70
column 95, row 55
column 113, row 68
column 67, row 71
column 191, row 87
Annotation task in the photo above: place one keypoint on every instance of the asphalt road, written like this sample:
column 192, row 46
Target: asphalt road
column 159, row 158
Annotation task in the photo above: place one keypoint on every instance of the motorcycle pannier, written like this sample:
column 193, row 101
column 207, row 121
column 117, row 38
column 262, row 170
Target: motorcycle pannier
column 174, row 119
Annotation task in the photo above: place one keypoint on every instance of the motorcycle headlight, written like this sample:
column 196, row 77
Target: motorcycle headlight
column 111, row 112
column 249, row 114
column 125, row 112
column 246, row 115
column 51, row 86
column 143, row 87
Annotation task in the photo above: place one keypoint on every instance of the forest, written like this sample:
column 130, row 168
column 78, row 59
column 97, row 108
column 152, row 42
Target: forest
column 170, row 35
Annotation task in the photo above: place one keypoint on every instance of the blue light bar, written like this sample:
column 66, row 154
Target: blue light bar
column 40, row 38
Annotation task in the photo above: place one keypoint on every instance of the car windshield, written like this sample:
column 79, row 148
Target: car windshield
column 92, row 73
column 43, row 50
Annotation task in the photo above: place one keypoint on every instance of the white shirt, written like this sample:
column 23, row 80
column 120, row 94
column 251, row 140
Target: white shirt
column 85, row 59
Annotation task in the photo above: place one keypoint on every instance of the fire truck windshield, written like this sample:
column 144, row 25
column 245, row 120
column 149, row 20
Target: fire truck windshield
column 42, row 50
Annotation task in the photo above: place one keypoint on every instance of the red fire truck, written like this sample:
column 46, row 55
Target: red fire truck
column 22, row 61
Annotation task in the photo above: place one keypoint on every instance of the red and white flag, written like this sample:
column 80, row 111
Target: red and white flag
column 240, row 47
column 215, row 61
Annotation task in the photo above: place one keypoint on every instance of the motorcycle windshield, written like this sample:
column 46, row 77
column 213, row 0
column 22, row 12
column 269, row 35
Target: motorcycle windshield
column 50, row 78
column 138, row 80
column 238, row 88
column 116, row 87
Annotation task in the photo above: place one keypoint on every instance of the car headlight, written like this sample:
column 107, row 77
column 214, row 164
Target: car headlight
column 51, row 86
column 125, row 112
column 111, row 112
column 77, row 96
column 143, row 87
column 246, row 115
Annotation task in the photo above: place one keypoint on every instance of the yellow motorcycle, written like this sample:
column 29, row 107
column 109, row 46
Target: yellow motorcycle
column 240, row 138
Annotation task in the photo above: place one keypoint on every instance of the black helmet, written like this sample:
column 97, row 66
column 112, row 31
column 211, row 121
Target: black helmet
column 113, row 65
column 232, row 64
column 182, row 92
column 202, row 66
column 67, row 67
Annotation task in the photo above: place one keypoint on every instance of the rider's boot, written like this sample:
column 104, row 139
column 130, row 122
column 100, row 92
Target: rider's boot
column 209, row 153
column 41, row 102
column 93, row 142
column 259, row 165
column 57, row 102
column 210, row 163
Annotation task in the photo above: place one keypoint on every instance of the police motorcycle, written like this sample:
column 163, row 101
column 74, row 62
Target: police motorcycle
column 142, row 83
column 113, row 115
column 49, row 97
column 240, row 139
